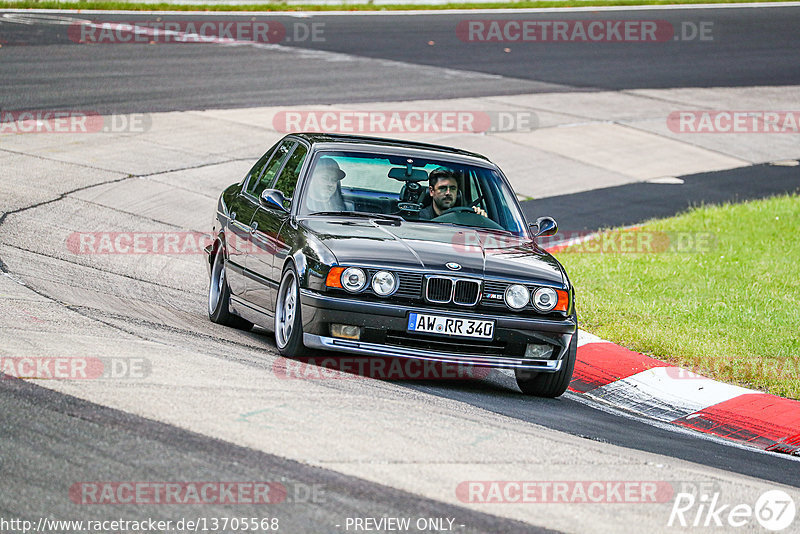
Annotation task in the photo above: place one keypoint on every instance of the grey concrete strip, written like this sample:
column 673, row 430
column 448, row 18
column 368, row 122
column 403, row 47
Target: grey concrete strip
column 581, row 141
column 29, row 179
column 756, row 147
column 623, row 150
column 178, row 208
column 204, row 180
column 539, row 173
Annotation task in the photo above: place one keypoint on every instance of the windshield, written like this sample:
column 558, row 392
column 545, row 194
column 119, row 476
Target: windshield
column 413, row 189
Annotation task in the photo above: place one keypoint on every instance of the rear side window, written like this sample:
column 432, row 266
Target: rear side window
column 287, row 181
column 255, row 172
column 256, row 186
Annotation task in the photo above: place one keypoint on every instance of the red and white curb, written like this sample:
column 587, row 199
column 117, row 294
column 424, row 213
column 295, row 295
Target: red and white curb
column 637, row 383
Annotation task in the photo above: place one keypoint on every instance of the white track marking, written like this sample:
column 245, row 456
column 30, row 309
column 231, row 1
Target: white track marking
column 667, row 393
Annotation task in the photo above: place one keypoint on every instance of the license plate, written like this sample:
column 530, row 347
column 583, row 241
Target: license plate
column 450, row 326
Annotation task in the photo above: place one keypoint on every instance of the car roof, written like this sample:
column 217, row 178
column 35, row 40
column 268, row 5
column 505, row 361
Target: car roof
column 314, row 138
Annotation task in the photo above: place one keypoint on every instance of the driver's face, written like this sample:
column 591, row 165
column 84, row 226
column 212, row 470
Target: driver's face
column 444, row 193
column 327, row 180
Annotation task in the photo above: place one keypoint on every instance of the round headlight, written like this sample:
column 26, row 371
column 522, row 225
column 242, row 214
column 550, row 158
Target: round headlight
column 384, row 283
column 545, row 299
column 517, row 296
column 354, row 279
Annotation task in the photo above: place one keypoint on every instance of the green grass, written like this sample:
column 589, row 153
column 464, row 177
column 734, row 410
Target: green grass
column 729, row 311
column 343, row 6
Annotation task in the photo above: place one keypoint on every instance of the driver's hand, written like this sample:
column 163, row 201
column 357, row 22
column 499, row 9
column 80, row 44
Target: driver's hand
column 480, row 211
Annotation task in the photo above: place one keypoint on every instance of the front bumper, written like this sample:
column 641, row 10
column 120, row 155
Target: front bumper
column 384, row 334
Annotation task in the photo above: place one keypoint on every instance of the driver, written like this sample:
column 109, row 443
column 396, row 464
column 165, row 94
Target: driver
column 325, row 193
column 443, row 188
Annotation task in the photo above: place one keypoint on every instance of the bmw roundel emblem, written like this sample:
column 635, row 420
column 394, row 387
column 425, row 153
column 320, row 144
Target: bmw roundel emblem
column 453, row 266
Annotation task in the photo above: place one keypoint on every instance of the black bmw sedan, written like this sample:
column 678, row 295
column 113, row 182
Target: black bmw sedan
column 390, row 248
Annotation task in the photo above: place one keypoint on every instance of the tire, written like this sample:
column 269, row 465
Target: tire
column 549, row 384
column 288, row 324
column 219, row 295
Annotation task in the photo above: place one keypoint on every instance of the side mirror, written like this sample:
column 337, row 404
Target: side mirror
column 273, row 198
column 544, row 227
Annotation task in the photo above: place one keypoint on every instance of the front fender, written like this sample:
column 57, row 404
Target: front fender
column 313, row 260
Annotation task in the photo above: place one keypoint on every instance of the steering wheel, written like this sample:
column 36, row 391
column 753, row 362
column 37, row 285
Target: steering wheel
column 458, row 209
column 466, row 216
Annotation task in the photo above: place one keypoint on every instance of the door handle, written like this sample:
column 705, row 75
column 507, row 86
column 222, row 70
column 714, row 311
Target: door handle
column 253, row 228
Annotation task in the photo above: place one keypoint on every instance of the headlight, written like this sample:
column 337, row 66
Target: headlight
column 354, row 279
column 384, row 283
column 545, row 299
column 517, row 296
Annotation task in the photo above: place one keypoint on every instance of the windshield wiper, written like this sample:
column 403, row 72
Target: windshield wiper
column 473, row 227
column 366, row 214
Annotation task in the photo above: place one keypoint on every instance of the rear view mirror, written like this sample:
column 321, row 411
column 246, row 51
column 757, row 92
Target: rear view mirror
column 401, row 173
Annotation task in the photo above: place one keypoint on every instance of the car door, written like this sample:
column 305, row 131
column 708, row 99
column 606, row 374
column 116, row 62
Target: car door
column 237, row 229
column 267, row 222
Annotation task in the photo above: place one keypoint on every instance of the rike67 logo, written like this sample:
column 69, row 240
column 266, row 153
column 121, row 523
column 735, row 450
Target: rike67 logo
column 774, row 510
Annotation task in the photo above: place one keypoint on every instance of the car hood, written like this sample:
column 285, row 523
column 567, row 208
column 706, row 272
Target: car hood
column 430, row 247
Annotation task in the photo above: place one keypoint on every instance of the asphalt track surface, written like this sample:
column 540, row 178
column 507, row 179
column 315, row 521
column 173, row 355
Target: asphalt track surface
column 50, row 440
column 631, row 204
column 56, row 440
column 42, row 68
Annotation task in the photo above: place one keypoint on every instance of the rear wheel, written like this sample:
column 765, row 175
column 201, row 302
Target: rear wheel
column 288, row 326
column 549, row 384
column 219, row 295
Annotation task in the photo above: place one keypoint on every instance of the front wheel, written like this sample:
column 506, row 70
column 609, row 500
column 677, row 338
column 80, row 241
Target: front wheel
column 549, row 384
column 219, row 295
column 288, row 327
